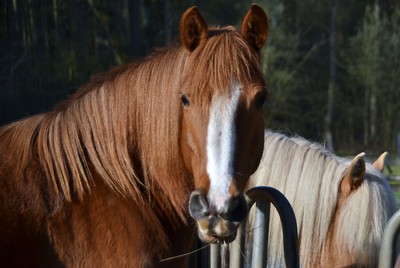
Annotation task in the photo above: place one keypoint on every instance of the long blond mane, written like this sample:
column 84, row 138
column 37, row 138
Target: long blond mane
column 309, row 176
column 123, row 126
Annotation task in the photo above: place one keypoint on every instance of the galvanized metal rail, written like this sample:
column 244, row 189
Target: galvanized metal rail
column 387, row 253
column 263, row 196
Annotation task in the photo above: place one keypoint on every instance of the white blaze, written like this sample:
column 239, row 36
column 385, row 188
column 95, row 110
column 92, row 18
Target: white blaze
column 221, row 139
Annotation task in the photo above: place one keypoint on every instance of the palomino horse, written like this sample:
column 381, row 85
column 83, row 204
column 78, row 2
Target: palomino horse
column 341, row 206
column 104, row 180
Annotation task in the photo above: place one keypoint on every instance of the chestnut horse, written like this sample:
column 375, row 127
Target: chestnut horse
column 111, row 176
column 342, row 206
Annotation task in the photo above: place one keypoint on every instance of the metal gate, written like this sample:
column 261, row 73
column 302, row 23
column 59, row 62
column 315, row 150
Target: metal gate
column 263, row 197
column 387, row 254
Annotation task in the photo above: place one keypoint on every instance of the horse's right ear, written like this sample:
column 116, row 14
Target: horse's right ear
column 379, row 164
column 192, row 28
column 354, row 175
column 255, row 27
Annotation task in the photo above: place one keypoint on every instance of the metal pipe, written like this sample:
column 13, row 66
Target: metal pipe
column 260, row 242
column 387, row 256
column 215, row 256
column 236, row 247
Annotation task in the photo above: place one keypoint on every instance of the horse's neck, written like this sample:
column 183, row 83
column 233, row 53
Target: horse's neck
column 105, row 220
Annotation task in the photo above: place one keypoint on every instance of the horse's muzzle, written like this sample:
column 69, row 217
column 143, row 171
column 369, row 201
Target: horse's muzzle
column 214, row 225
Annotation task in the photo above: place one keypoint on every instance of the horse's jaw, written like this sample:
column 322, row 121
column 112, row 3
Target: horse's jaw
column 208, row 239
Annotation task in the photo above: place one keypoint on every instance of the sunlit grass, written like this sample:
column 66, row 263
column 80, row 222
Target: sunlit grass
column 397, row 196
column 394, row 171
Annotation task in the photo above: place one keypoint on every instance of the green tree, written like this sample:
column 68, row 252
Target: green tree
column 373, row 65
column 280, row 64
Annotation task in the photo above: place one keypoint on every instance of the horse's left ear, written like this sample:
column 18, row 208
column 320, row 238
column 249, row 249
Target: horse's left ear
column 354, row 175
column 192, row 28
column 255, row 27
column 379, row 164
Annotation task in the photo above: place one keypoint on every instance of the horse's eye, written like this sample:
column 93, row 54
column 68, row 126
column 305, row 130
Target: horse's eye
column 260, row 100
column 185, row 101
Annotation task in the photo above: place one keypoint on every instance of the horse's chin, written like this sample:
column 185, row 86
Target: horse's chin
column 217, row 239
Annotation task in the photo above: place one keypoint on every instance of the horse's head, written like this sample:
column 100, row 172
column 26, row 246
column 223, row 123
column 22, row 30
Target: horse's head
column 365, row 204
column 222, row 126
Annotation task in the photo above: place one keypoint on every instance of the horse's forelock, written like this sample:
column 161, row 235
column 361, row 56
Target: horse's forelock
column 225, row 58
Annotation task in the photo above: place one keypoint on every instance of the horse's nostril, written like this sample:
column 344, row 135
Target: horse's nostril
column 237, row 210
column 198, row 205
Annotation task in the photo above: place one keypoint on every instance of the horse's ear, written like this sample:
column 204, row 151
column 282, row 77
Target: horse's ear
column 354, row 175
column 255, row 27
column 192, row 28
column 379, row 164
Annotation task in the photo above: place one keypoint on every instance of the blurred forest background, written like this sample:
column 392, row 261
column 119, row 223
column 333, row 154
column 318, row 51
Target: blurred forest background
column 333, row 66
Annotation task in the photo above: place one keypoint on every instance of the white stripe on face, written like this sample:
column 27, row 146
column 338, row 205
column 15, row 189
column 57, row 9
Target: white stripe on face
column 221, row 138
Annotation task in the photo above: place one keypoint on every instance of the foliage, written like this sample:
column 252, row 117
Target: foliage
column 373, row 64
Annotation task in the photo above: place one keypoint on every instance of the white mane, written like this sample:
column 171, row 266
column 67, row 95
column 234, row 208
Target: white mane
column 309, row 176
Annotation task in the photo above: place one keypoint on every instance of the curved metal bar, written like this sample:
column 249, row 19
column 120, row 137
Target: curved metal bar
column 387, row 256
column 287, row 216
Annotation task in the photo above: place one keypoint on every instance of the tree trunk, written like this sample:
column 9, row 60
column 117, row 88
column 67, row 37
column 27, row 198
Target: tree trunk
column 332, row 79
column 374, row 89
column 167, row 22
